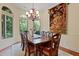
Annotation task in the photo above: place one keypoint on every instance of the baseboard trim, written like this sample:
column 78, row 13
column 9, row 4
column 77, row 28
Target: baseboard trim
column 69, row 51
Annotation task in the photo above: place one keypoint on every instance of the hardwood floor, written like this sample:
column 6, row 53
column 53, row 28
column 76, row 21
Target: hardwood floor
column 15, row 50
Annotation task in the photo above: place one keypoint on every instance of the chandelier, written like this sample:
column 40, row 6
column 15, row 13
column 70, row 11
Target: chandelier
column 32, row 14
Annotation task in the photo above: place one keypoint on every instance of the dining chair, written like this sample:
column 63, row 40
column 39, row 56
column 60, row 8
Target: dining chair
column 30, row 47
column 52, row 49
column 22, row 40
column 26, row 46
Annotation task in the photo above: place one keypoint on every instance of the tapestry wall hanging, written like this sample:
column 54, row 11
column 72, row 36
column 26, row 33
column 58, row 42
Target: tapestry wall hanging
column 58, row 18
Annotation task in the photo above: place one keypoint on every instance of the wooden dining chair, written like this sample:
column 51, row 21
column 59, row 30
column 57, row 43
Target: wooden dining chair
column 52, row 49
column 22, row 40
column 29, row 46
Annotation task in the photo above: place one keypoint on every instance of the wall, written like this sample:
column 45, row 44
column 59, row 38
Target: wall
column 44, row 20
column 71, row 39
column 16, row 14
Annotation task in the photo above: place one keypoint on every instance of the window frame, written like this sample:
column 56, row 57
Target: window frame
column 6, row 14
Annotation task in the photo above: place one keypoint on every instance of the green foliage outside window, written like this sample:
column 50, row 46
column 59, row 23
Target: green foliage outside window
column 7, row 26
column 23, row 25
column 9, row 23
column 36, row 27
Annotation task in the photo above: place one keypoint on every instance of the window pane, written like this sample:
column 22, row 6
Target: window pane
column 36, row 27
column 23, row 25
column 9, row 27
column 7, row 23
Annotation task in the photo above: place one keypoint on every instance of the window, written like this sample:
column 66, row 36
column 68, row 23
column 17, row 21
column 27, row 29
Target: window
column 23, row 24
column 7, row 22
column 36, row 26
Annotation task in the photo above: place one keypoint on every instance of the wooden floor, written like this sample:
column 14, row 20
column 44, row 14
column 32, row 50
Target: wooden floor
column 15, row 50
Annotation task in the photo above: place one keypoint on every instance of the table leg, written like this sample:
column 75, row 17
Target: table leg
column 36, row 50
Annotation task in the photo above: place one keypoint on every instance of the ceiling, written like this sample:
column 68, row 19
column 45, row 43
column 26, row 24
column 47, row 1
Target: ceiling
column 38, row 6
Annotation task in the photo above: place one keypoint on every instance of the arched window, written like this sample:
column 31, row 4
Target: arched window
column 36, row 26
column 23, row 24
column 4, row 8
column 7, row 22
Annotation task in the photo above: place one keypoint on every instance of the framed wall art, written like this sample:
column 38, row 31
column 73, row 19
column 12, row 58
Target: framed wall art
column 58, row 18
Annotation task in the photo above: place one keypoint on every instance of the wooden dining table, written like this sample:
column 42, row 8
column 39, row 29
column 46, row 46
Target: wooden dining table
column 37, row 42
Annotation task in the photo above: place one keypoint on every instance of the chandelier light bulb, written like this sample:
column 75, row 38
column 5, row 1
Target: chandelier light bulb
column 37, row 12
column 38, row 15
column 27, row 13
column 31, row 11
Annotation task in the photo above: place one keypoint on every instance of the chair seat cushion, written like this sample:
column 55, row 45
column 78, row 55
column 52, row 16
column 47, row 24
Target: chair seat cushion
column 48, row 51
column 31, row 48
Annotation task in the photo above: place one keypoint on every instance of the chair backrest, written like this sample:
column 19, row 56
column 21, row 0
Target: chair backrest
column 29, row 37
column 24, row 38
column 49, row 36
column 56, row 40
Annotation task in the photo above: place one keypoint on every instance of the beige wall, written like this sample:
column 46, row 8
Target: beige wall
column 44, row 19
column 71, row 39
column 16, row 14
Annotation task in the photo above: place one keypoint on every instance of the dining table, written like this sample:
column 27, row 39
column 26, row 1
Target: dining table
column 38, row 40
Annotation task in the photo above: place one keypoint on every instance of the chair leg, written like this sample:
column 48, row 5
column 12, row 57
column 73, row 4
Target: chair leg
column 23, row 47
column 28, row 51
column 40, row 52
column 25, row 51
